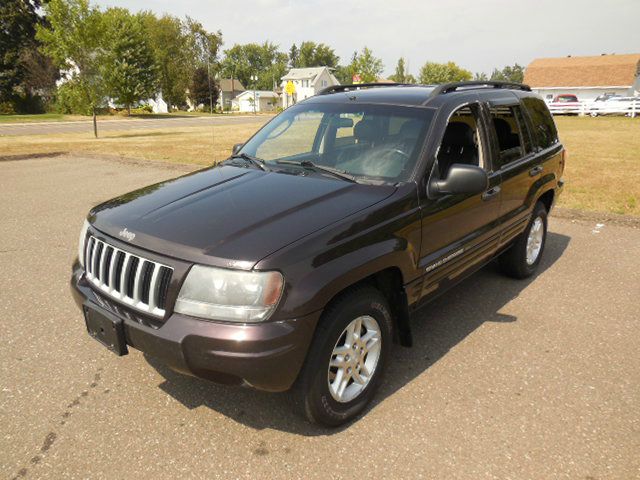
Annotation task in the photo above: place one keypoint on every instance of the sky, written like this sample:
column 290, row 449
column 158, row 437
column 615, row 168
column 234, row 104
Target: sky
column 478, row 35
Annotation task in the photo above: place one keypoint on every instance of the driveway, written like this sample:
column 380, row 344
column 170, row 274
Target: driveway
column 134, row 123
column 535, row 379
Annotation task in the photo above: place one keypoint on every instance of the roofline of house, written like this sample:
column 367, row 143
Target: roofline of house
column 286, row 76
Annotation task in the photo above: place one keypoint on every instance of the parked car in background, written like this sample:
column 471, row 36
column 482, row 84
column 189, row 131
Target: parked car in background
column 565, row 104
column 615, row 105
column 565, row 98
column 296, row 263
column 606, row 96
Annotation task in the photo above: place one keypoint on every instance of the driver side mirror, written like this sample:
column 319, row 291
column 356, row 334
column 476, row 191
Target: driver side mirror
column 461, row 179
column 236, row 148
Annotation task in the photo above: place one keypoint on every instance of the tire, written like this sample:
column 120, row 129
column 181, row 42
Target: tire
column 312, row 394
column 516, row 262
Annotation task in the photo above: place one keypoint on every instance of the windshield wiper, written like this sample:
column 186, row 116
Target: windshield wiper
column 322, row 168
column 258, row 162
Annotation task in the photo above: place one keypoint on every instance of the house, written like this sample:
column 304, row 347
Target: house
column 230, row 88
column 265, row 101
column 585, row 77
column 158, row 104
column 307, row 82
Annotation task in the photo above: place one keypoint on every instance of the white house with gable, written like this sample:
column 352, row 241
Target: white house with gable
column 263, row 101
column 307, row 82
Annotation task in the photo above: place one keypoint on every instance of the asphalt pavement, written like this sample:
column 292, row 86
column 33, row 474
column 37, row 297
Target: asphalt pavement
column 133, row 123
column 536, row 379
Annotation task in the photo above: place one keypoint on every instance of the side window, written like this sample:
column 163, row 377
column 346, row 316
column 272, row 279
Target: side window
column 511, row 133
column 461, row 141
column 544, row 132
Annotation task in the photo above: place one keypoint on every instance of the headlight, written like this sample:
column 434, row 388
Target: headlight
column 82, row 239
column 229, row 295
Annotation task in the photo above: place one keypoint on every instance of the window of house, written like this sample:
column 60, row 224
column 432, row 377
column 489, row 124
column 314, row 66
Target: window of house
column 511, row 134
column 325, row 83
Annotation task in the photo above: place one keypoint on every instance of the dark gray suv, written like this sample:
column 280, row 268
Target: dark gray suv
column 296, row 263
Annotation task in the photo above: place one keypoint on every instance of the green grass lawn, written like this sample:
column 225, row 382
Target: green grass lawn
column 61, row 117
column 40, row 117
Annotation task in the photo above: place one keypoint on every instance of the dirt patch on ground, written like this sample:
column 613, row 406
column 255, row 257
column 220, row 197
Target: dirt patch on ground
column 598, row 217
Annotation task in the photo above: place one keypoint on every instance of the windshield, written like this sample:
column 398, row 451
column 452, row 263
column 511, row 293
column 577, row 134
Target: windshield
column 378, row 143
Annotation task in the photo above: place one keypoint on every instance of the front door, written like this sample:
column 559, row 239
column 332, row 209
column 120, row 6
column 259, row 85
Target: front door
column 460, row 231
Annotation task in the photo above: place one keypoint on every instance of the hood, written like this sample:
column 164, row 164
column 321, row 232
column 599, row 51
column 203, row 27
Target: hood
column 230, row 216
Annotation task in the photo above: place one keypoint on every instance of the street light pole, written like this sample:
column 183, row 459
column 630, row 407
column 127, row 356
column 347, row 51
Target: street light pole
column 255, row 80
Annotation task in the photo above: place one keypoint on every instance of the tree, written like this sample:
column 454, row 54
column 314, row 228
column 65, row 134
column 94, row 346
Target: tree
column 200, row 88
column 294, row 56
column 480, row 76
column 179, row 48
column 204, row 53
column 264, row 61
column 366, row 65
column 513, row 73
column 129, row 68
column 401, row 74
column 432, row 73
column 313, row 54
column 72, row 39
column 18, row 19
column 25, row 73
column 169, row 43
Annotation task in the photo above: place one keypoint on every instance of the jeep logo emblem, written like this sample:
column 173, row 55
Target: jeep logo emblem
column 127, row 235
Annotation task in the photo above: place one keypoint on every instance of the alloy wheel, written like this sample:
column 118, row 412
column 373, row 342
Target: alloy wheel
column 354, row 359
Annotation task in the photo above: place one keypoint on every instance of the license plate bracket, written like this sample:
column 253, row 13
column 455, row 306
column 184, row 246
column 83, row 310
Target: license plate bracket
column 106, row 329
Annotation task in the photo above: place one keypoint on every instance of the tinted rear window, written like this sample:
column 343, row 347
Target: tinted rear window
column 545, row 133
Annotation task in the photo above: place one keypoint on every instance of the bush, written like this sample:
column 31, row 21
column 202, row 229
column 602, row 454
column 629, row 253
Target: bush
column 6, row 108
column 141, row 109
column 69, row 99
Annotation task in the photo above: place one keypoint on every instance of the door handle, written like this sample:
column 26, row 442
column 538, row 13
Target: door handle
column 492, row 192
column 535, row 170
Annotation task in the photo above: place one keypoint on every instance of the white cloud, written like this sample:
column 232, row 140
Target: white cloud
column 478, row 35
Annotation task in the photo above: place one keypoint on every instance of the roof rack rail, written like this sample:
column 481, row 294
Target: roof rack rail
column 357, row 86
column 452, row 87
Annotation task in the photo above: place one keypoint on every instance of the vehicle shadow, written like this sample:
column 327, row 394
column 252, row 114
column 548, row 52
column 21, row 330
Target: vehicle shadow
column 437, row 328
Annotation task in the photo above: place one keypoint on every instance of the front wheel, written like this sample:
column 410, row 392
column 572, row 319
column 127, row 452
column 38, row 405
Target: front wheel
column 523, row 257
column 347, row 358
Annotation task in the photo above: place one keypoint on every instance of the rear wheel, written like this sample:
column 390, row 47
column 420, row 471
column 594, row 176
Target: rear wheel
column 523, row 257
column 347, row 358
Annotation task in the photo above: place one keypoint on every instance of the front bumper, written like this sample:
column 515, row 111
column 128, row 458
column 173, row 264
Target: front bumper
column 268, row 355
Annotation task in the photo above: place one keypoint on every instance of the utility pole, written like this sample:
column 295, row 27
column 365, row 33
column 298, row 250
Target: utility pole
column 207, row 43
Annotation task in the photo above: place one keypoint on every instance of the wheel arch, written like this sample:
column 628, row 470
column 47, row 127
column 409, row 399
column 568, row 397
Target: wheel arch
column 389, row 282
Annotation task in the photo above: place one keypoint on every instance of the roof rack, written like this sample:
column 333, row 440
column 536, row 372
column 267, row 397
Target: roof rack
column 358, row 86
column 452, row 87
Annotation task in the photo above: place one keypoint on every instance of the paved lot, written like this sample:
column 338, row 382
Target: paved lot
column 84, row 126
column 522, row 380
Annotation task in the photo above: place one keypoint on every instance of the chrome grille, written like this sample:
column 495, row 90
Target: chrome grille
column 131, row 279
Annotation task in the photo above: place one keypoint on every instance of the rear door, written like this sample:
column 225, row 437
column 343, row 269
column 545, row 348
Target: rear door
column 516, row 160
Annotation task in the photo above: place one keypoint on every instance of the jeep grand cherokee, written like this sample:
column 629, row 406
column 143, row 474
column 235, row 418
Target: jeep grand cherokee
column 296, row 263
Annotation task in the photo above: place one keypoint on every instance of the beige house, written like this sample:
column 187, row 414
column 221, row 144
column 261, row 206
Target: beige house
column 256, row 101
column 585, row 77
column 230, row 88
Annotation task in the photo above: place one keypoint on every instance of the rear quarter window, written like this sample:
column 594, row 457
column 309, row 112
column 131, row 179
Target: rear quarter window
column 544, row 132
